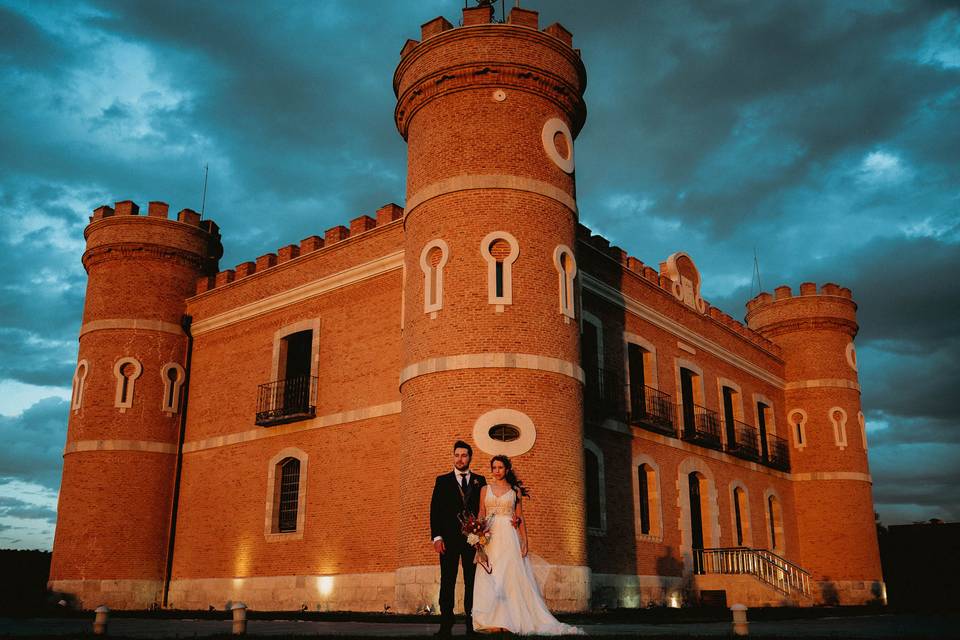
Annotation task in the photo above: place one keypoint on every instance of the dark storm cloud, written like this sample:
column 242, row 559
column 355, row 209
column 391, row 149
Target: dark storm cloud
column 15, row 508
column 33, row 444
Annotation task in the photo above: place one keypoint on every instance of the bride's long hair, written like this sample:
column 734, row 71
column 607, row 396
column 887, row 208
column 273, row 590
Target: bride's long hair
column 515, row 483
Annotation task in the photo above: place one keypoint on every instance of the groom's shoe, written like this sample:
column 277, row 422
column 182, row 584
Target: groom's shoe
column 444, row 632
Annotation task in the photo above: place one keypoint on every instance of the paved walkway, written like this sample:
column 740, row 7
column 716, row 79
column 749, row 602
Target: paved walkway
column 875, row 626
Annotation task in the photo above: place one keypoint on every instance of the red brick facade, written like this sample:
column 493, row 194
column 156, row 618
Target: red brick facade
column 484, row 302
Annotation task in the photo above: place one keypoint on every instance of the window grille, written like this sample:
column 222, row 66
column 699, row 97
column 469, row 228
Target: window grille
column 504, row 432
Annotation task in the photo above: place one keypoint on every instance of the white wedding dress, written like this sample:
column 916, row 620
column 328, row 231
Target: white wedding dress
column 509, row 598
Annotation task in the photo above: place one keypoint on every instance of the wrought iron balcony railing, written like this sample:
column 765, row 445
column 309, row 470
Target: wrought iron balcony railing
column 653, row 410
column 700, row 425
column 745, row 443
column 778, row 453
column 287, row 400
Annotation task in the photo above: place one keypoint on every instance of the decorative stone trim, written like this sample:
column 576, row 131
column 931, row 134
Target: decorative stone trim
column 310, row 324
column 492, row 361
column 832, row 475
column 851, row 355
column 475, row 182
column 345, row 278
column 353, row 415
column 709, row 511
column 839, row 419
column 839, row 383
column 637, row 308
column 737, row 404
column 171, row 397
column 131, row 323
column 655, row 499
column 773, row 508
column 123, row 399
column 566, row 266
column 551, row 128
column 699, row 392
column 683, row 289
column 79, row 378
column 81, row 446
column 745, row 521
column 588, row 318
column 433, row 277
column 797, row 420
column 651, row 376
column 863, row 429
column 770, row 418
column 601, row 483
column 271, row 531
column 523, row 423
column 507, row 275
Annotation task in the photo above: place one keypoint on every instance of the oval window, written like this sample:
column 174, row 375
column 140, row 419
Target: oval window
column 504, row 432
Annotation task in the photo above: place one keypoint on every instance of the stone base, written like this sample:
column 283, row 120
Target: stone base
column 116, row 594
column 849, row 592
column 565, row 588
column 344, row 592
column 749, row 591
column 615, row 591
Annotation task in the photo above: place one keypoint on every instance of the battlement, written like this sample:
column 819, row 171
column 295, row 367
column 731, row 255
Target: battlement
column 476, row 16
column 156, row 210
column 661, row 279
column 384, row 215
column 807, row 289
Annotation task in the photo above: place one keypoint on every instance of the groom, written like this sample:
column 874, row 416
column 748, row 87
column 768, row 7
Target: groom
column 454, row 493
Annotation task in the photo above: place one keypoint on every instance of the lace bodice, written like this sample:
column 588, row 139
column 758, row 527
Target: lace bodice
column 499, row 505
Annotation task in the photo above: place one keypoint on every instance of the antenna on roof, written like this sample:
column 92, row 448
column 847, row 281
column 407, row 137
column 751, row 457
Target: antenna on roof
column 203, row 200
column 756, row 274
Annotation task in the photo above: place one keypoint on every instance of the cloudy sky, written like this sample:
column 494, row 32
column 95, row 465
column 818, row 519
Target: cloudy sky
column 825, row 135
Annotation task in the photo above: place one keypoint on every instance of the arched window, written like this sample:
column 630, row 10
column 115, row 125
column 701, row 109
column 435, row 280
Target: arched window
column 500, row 250
column 774, row 523
column 126, row 371
column 286, row 495
column 79, row 378
column 741, row 516
column 596, row 499
column 432, row 260
column 287, row 506
column 646, row 489
column 173, row 376
column 566, row 266
column 863, row 429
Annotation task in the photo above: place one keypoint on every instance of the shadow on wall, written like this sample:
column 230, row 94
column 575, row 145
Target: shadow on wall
column 669, row 566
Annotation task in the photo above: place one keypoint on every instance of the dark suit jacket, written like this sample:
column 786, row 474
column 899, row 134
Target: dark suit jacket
column 446, row 504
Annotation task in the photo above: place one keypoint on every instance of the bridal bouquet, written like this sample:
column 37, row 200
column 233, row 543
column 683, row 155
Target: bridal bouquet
column 477, row 532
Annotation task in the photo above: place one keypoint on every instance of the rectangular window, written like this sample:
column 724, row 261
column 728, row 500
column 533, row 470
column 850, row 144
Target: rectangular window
column 686, row 391
column 728, row 416
column 637, row 381
column 762, row 428
column 736, row 513
column 644, row 499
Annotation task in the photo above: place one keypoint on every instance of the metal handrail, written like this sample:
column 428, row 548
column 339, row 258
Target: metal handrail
column 287, row 400
column 703, row 428
column 653, row 410
column 745, row 443
column 778, row 453
column 768, row 567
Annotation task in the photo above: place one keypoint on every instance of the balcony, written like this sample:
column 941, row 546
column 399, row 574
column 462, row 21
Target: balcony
column 745, row 444
column 778, row 453
column 700, row 425
column 652, row 410
column 287, row 400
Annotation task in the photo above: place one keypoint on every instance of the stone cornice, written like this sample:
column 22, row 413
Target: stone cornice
column 548, row 85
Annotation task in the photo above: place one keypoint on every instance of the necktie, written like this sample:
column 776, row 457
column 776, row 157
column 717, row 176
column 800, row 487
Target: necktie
column 463, row 481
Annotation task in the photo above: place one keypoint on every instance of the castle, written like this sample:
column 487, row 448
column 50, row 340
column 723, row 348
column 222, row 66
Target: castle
column 270, row 433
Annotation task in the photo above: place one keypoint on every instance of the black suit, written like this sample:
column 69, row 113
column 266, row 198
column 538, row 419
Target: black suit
column 446, row 504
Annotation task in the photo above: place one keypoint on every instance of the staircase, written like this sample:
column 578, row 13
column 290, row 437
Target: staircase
column 791, row 583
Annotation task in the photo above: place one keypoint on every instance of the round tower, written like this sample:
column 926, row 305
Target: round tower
column 490, row 324
column 119, row 462
column 832, row 485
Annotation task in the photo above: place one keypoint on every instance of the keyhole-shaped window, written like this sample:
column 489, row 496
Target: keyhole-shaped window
column 173, row 376
column 79, row 380
column 500, row 250
column 432, row 260
column 566, row 266
column 126, row 371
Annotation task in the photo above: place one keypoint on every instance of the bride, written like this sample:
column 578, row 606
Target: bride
column 509, row 598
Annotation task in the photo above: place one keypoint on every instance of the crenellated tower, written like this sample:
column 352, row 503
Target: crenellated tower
column 832, row 484
column 119, row 462
column 490, row 327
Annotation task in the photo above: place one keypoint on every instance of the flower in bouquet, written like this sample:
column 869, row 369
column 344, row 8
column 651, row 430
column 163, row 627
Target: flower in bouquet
column 477, row 532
